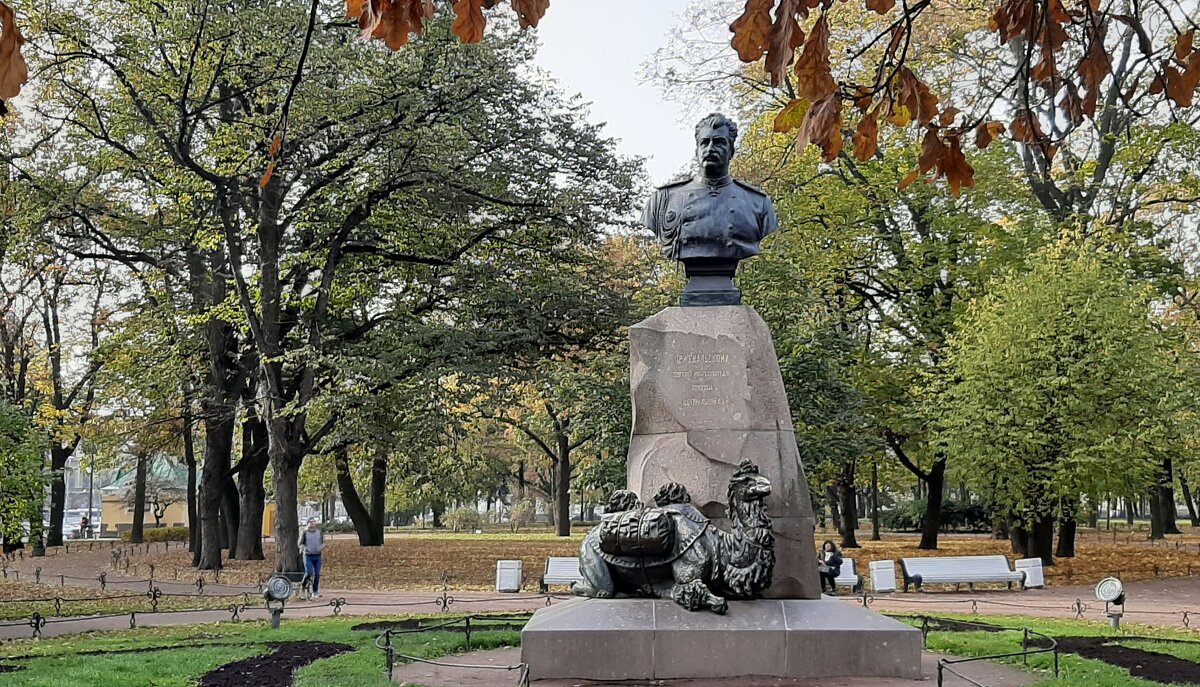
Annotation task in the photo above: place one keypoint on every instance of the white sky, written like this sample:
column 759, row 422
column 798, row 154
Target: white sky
column 595, row 48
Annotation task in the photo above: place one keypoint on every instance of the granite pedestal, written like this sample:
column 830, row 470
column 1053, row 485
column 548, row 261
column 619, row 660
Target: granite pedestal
column 707, row 392
column 641, row 639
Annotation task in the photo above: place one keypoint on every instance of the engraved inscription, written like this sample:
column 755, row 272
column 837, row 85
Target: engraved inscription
column 706, row 375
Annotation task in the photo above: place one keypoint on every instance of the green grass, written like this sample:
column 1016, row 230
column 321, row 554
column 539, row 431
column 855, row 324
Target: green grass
column 1073, row 670
column 190, row 652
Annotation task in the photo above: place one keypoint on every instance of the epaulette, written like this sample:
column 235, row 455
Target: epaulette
column 677, row 182
column 750, row 187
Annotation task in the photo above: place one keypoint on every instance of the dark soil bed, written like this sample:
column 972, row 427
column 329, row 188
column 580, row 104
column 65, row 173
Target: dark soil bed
column 274, row 669
column 10, row 669
column 1149, row 665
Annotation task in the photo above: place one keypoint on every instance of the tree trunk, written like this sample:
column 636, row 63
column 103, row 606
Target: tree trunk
column 1128, row 511
column 379, row 468
column 59, row 455
column 189, row 460
column 137, row 534
column 252, row 495
column 1066, row 534
column 437, row 510
column 1157, row 519
column 835, row 511
column 933, row 505
column 285, row 471
column 217, row 446
column 231, row 513
column 367, row 524
column 875, row 535
column 849, row 507
column 999, row 528
column 1041, row 540
column 1018, row 536
column 1188, row 500
column 562, row 487
column 1166, row 497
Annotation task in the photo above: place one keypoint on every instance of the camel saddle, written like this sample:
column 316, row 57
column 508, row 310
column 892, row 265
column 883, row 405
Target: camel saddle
column 641, row 532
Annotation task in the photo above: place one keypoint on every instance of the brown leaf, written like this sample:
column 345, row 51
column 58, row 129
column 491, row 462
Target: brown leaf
column 14, row 73
column 863, row 97
column 955, row 168
column 1095, row 63
column 276, row 143
column 987, row 132
column 1045, row 69
column 1183, row 44
column 948, row 115
column 823, row 127
column 791, row 116
column 394, row 20
column 866, row 136
column 785, row 36
column 750, row 30
column 922, row 104
column 814, row 78
column 932, row 150
column 266, row 178
column 468, row 22
column 1072, row 104
column 530, row 12
column 908, row 179
column 1012, row 18
column 881, row 6
column 1026, row 129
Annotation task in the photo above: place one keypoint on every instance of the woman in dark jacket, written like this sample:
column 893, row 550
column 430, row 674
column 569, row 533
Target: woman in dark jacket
column 829, row 564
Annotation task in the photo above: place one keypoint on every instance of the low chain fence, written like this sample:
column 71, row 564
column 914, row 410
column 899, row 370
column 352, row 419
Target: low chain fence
column 466, row 625
column 953, row 666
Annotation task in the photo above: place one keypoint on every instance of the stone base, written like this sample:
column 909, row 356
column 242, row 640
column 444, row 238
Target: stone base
column 643, row 639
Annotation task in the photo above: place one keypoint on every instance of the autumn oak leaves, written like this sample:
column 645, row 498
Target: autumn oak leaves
column 1046, row 31
column 394, row 20
column 13, row 71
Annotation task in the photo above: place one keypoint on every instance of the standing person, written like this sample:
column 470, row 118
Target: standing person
column 312, row 543
column 829, row 565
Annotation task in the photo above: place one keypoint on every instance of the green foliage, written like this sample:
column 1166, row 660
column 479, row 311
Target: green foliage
column 954, row 516
column 464, row 518
column 157, row 534
column 21, row 474
column 1064, row 386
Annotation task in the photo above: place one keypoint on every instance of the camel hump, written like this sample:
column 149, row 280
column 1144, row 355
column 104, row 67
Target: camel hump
column 643, row 532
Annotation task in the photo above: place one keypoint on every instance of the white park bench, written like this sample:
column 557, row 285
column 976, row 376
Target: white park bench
column 560, row 570
column 957, row 570
column 848, row 577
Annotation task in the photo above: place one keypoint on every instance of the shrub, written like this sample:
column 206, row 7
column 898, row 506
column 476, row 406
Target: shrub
column 157, row 534
column 464, row 518
column 972, row 517
column 521, row 514
column 337, row 528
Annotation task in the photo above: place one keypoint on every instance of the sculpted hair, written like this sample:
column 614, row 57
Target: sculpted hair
column 717, row 120
column 672, row 492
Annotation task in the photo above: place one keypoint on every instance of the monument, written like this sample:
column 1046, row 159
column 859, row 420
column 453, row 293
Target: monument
column 718, row 577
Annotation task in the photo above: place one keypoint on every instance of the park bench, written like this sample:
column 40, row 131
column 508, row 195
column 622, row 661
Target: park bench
column 957, row 570
column 849, row 577
column 560, row 570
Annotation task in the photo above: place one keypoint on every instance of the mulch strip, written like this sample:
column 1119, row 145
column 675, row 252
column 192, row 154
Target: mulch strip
column 10, row 669
column 1150, row 665
column 274, row 669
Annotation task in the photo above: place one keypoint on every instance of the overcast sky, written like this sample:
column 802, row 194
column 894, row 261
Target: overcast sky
column 595, row 48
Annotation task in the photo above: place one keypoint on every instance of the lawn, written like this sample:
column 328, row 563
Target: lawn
column 181, row 656
column 1075, row 670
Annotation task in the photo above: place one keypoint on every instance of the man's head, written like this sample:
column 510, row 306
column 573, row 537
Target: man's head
column 312, row 523
column 715, row 138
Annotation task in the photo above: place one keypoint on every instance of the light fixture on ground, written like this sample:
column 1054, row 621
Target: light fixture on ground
column 1111, row 591
column 276, row 593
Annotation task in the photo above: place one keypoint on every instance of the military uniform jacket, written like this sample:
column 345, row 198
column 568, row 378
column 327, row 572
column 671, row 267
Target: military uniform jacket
column 695, row 218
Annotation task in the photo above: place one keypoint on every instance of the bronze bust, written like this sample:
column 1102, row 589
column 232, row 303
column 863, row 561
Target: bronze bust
column 711, row 221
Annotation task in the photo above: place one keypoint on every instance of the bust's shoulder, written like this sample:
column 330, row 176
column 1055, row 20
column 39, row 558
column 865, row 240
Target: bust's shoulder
column 671, row 185
column 751, row 187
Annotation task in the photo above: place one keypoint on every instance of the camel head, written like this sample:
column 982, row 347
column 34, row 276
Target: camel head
column 747, row 485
